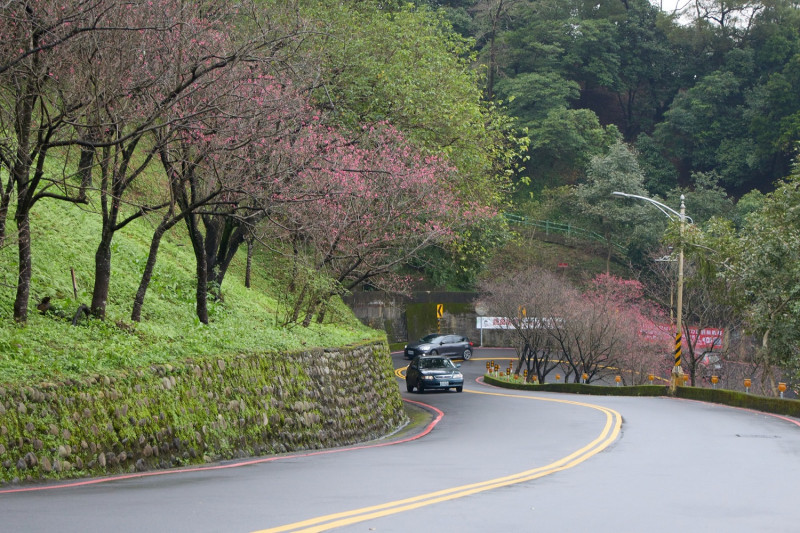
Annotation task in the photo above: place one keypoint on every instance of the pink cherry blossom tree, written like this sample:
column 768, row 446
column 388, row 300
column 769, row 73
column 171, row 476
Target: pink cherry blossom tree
column 602, row 332
column 183, row 50
column 364, row 206
column 225, row 170
column 96, row 82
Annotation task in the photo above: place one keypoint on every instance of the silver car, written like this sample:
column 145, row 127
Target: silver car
column 457, row 346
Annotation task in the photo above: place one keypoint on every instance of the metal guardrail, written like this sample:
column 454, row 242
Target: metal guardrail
column 557, row 227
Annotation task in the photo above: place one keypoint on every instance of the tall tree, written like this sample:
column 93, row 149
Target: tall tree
column 765, row 265
column 187, row 54
column 530, row 300
column 39, row 103
column 491, row 18
column 406, row 66
column 647, row 79
column 616, row 171
column 115, row 69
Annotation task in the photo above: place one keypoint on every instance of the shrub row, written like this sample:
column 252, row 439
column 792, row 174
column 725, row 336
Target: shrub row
column 779, row 406
column 580, row 388
column 196, row 412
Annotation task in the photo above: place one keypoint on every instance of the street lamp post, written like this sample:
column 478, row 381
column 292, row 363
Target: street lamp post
column 677, row 370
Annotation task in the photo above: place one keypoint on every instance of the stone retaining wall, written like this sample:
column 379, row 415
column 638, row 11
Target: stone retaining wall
column 196, row 412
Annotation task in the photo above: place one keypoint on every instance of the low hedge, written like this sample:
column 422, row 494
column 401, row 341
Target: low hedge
column 580, row 388
column 780, row 406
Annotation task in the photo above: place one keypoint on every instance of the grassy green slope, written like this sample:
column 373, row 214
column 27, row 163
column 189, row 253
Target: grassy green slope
column 49, row 348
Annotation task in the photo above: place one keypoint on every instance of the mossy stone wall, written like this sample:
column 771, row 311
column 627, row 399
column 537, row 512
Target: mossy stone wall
column 197, row 412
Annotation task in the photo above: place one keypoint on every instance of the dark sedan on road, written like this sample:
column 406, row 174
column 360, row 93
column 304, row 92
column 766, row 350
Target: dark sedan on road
column 433, row 372
column 436, row 344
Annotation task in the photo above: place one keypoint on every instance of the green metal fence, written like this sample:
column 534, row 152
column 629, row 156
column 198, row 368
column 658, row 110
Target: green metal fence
column 559, row 228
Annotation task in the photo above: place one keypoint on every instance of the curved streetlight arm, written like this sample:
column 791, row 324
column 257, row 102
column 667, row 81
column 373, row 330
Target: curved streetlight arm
column 667, row 210
column 677, row 372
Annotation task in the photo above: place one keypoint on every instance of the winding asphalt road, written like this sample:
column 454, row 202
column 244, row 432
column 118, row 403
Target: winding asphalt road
column 484, row 460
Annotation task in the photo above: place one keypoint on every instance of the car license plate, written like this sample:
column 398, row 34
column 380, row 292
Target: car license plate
column 444, row 383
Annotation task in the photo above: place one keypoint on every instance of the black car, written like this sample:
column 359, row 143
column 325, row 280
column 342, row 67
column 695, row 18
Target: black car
column 438, row 344
column 433, row 372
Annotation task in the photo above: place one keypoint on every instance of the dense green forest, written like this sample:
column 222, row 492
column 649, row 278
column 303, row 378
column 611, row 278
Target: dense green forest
column 379, row 144
column 708, row 92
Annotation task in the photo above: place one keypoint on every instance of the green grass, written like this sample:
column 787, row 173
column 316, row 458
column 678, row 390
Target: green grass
column 49, row 348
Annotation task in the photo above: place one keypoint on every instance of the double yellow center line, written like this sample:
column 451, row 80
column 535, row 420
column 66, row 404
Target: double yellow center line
column 606, row 437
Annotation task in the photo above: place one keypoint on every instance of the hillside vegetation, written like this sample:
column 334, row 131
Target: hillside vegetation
column 363, row 141
column 49, row 348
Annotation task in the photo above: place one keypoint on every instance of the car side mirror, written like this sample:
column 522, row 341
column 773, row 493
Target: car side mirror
column 458, row 365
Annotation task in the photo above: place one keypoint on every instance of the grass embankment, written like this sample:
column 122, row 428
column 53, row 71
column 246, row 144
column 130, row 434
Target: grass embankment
column 65, row 237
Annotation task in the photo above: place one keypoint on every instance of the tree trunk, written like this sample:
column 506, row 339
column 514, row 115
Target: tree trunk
column 214, row 227
column 24, row 269
column 147, row 275
column 298, row 305
column 323, row 307
column 85, row 170
column 312, row 307
column 492, row 68
column 223, row 238
column 102, row 275
column 248, row 269
column 227, row 252
column 201, row 268
column 491, row 74
column 5, row 202
column 202, row 290
column 110, row 202
column 20, row 175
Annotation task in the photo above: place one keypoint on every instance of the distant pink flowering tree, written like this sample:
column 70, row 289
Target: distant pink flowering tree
column 603, row 332
column 531, row 301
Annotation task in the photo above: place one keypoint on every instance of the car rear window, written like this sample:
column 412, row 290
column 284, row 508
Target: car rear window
column 435, row 363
